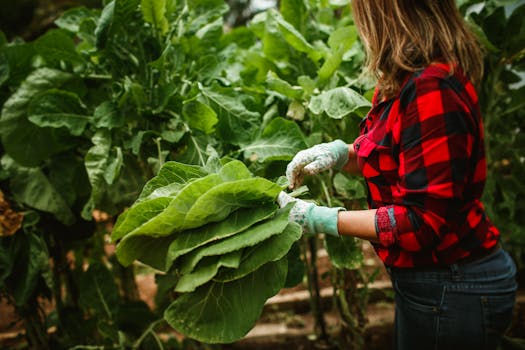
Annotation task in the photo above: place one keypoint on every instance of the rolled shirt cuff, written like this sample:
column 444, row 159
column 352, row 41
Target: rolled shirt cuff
column 386, row 227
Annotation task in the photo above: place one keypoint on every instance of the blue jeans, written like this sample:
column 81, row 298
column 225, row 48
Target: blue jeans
column 464, row 306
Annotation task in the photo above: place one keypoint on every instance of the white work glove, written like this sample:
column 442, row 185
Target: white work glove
column 318, row 158
column 312, row 218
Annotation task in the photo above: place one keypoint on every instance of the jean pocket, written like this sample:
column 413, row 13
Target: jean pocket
column 422, row 297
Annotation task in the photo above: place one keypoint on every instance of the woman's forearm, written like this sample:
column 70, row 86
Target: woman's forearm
column 358, row 223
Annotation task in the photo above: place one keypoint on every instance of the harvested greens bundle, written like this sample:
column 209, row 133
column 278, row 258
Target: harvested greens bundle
column 218, row 230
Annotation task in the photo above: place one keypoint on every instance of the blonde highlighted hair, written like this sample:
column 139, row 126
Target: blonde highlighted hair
column 404, row 36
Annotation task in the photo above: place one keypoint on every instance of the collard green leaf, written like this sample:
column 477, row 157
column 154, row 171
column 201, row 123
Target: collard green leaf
column 280, row 140
column 56, row 46
column 200, row 116
column 20, row 59
column 27, row 143
column 339, row 102
column 154, row 12
column 170, row 179
column 96, row 161
column 108, row 116
column 293, row 37
column 57, row 108
column 236, row 122
column 340, row 41
column 104, row 24
column 210, row 199
column 4, row 67
column 236, row 222
column 225, row 312
column 196, row 149
column 98, row 291
column 152, row 251
column 206, row 270
column 32, row 187
column 28, row 265
column 71, row 19
column 295, row 12
column 283, row 87
column 172, row 219
column 217, row 203
column 138, row 215
column 271, row 249
column 296, row 267
column 344, row 252
column 115, row 163
column 247, row 238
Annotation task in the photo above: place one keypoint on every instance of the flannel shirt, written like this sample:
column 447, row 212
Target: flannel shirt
column 423, row 159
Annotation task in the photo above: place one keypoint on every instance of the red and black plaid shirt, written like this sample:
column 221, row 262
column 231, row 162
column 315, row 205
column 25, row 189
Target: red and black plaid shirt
column 422, row 156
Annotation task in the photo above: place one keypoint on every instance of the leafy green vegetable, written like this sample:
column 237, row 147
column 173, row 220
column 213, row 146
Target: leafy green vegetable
column 247, row 238
column 272, row 249
column 224, row 312
column 237, row 222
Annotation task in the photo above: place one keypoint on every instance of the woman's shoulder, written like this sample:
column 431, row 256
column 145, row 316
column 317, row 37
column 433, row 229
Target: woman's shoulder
column 435, row 78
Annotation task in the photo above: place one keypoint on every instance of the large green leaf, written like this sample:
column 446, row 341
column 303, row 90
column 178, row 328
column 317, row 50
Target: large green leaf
column 71, row 20
column 98, row 291
column 32, row 187
column 32, row 264
column 225, row 312
column 151, row 251
column 247, row 238
column 26, row 142
column 217, row 203
column 293, row 37
column 272, row 249
column 57, row 45
column 154, row 12
column 295, row 12
column 96, row 161
column 170, row 173
column 280, row 140
column 208, row 267
column 237, row 221
column 236, row 122
column 344, row 252
column 340, row 41
column 210, row 199
column 200, row 116
column 162, row 216
column 283, row 87
column 139, row 214
column 339, row 102
column 4, row 67
column 57, row 108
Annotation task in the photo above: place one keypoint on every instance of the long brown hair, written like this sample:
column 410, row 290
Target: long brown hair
column 403, row 36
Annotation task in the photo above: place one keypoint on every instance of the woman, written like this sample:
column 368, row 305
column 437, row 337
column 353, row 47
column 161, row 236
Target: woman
column 421, row 152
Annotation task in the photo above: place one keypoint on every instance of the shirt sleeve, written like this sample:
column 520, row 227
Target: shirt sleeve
column 434, row 136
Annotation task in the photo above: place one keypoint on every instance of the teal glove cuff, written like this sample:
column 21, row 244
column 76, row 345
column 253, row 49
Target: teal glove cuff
column 323, row 220
column 340, row 150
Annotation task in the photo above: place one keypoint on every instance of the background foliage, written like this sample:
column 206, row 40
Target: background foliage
column 93, row 106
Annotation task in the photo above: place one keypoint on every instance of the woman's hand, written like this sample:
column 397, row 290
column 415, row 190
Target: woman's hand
column 312, row 218
column 315, row 160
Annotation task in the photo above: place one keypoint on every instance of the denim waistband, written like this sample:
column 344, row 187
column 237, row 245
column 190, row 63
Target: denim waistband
column 493, row 267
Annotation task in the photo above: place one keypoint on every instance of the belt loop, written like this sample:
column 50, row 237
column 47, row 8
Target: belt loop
column 454, row 269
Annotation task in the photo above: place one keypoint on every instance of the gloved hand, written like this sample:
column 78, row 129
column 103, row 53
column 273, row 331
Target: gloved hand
column 311, row 217
column 316, row 159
